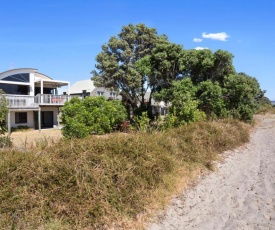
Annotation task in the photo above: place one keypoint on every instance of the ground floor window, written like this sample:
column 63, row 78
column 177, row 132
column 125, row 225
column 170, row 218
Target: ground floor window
column 21, row 117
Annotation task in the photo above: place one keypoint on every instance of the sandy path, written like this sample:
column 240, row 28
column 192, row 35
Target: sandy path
column 239, row 195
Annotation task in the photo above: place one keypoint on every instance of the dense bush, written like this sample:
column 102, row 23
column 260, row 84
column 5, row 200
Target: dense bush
column 3, row 112
column 93, row 115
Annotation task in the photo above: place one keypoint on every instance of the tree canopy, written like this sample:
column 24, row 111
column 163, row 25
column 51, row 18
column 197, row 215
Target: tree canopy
column 138, row 60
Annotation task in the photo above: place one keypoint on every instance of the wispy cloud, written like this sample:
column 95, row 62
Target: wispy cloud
column 197, row 40
column 218, row 36
column 201, row 48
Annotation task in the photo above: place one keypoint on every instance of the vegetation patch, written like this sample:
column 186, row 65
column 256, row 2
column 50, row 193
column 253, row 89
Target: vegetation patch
column 99, row 183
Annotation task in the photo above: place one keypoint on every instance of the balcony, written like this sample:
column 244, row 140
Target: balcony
column 25, row 101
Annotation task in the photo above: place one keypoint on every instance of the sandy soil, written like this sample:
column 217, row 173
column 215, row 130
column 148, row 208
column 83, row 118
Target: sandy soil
column 29, row 139
column 240, row 194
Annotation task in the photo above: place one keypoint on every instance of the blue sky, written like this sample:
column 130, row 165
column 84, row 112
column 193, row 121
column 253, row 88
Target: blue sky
column 61, row 38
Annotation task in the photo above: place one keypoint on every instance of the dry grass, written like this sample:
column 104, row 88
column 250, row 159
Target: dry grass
column 107, row 183
column 30, row 139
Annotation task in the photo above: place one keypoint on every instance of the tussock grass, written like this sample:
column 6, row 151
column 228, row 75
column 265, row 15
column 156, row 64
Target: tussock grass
column 104, row 183
column 266, row 110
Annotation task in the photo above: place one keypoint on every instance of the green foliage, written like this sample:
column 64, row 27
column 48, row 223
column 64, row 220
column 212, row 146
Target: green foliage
column 202, row 65
column 5, row 141
column 93, row 115
column 241, row 93
column 3, row 112
column 136, row 59
column 123, row 62
column 20, row 128
column 211, row 100
column 184, row 108
column 142, row 123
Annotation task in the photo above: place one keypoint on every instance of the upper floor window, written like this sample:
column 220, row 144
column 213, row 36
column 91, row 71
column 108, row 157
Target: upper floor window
column 21, row 77
column 112, row 94
column 15, row 89
column 100, row 93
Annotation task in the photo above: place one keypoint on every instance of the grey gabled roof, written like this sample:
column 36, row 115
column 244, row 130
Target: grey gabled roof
column 79, row 86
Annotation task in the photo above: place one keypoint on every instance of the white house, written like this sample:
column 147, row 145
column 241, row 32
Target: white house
column 33, row 98
column 87, row 88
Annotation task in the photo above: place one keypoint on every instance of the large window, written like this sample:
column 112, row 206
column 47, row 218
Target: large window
column 22, row 77
column 15, row 89
column 21, row 117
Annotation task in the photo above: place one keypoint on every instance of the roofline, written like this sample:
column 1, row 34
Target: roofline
column 44, row 75
column 19, row 69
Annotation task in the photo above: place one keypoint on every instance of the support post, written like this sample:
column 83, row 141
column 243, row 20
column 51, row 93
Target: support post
column 39, row 119
column 9, row 123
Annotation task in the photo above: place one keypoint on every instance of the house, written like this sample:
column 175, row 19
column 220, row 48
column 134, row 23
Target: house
column 159, row 108
column 87, row 88
column 33, row 98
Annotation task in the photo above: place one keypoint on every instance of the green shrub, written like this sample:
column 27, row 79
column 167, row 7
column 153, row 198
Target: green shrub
column 5, row 141
column 20, row 128
column 93, row 115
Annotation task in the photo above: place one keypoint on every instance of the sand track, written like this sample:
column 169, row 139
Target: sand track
column 240, row 194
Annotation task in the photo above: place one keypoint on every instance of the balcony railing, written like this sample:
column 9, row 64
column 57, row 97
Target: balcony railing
column 25, row 101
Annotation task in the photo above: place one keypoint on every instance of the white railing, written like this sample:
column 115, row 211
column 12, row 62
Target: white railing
column 21, row 101
column 51, row 99
column 25, row 101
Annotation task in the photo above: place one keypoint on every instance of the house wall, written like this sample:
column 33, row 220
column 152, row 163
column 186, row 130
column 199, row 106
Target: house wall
column 30, row 119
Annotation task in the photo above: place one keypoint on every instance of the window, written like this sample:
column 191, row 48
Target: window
column 22, row 77
column 15, row 89
column 100, row 93
column 21, row 117
column 113, row 94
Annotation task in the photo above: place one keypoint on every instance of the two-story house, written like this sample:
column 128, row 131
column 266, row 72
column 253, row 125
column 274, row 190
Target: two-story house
column 33, row 98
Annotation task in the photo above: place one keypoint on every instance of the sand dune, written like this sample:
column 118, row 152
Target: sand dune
column 240, row 194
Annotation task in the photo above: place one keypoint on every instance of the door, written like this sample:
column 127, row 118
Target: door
column 46, row 119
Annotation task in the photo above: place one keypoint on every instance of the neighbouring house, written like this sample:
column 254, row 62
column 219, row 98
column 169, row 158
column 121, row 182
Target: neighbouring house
column 86, row 88
column 33, row 98
column 159, row 108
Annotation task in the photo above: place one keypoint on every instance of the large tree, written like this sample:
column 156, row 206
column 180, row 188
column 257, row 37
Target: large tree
column 116, row 63
column 137, row 61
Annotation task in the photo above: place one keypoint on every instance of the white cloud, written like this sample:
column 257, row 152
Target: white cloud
column 218, row 36
column 201, row 48
column 197, row 40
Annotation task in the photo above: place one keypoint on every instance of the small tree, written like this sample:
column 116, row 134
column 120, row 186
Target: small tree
column 93, row 115
column 3, row 112
column 4, row 140
column 241, row 95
